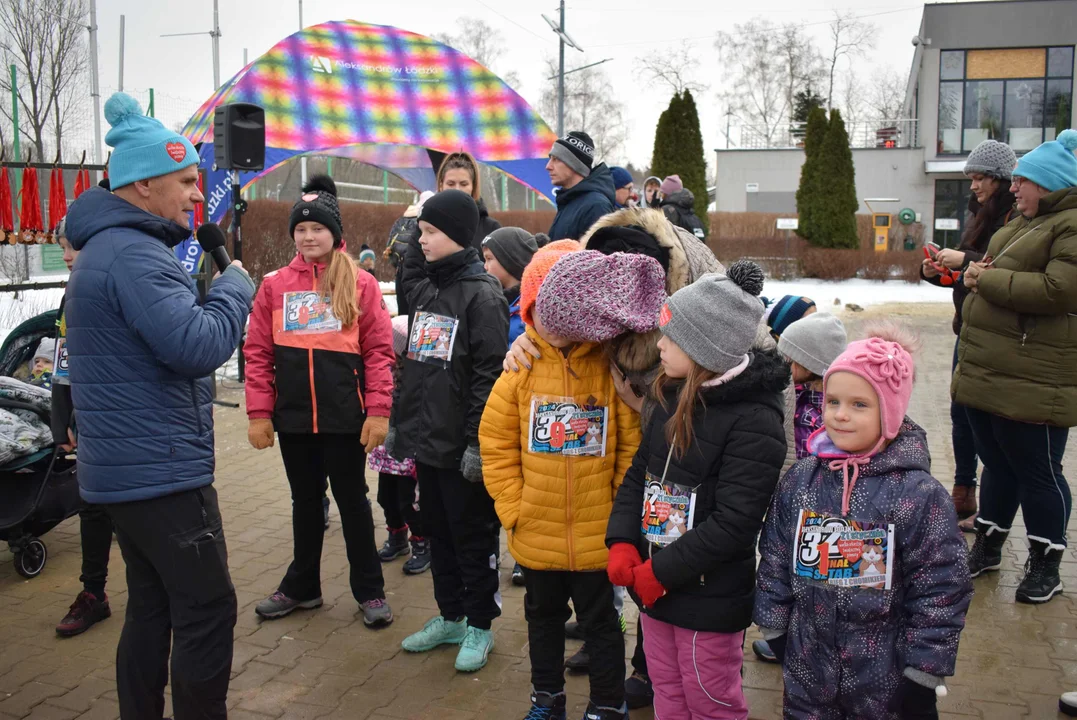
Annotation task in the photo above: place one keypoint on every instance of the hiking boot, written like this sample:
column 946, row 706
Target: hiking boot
column 573, row 631
column 517, row 575
column 419, row 562
column 475, row 650
column 1067, row 704
column 84, row 613
column 325, row 510
column 964, row 497
column 396, row 545
column 986, row 552
column 597, row 712
column 376, row 613
column 437, row 631
column 762, row 650
column 639, row 693
column 1041, row 582
column 278, row 605
column 545, row 706
column 580, row 662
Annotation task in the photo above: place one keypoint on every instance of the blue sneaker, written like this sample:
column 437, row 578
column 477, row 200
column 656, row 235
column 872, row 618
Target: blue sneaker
column 475, row 650
column 438, row 631
column 545, row 706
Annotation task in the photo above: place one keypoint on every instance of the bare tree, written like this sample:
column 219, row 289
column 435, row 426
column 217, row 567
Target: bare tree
column 886, row 94
column 854, row 106
column 849, row 37
column 591, row 105
column 674, row 70
column 46, row 41
column 482, row 42
column 758, row 91
column 803, row 63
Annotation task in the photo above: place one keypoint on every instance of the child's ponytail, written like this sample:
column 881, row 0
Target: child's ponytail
column 679, row 430
column 339, row 285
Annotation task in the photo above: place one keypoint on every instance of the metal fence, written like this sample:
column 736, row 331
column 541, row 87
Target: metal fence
column 902, row 133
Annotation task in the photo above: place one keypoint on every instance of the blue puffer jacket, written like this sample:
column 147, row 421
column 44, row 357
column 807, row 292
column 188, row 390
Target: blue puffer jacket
column 584, row 203
column 848, row 647
column 141, row 349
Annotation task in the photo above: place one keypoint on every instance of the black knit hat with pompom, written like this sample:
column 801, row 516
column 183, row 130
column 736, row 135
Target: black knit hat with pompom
column 318, row 203
column 716, row 318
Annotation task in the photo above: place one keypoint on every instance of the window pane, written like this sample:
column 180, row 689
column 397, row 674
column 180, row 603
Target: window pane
column 1060, row 62
column 1059, row 107
column 1024, row 114
column 951, row 203
column 950, row 95
column 983, row 113
column 952, row 66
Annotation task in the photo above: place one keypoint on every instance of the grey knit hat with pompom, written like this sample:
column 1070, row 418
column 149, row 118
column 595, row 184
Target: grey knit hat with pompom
column 716, row 318
column 993, row 158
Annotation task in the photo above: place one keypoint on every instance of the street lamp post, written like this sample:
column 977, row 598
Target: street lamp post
column 559, row 28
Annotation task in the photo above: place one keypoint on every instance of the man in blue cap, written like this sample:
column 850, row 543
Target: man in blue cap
column 142, row 350
column 624, row 193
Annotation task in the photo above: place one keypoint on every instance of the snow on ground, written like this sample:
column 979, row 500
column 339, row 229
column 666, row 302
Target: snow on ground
column 857, row 292
column 16, row 310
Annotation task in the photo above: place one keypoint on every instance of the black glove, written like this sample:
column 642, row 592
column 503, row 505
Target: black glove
column 777, row 646
column 917, row 701
column 471, row 464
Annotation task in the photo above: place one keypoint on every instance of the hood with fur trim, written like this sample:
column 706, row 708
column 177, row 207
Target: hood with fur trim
column 689, row 259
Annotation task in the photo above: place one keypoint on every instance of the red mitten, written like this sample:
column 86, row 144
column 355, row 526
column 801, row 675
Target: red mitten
column 646, row 584
column 623, row 558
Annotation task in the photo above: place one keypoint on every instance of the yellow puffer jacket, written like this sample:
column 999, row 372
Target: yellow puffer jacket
column 555, row 507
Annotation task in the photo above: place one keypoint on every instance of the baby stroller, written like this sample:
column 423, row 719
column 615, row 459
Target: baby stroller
column 38, row 491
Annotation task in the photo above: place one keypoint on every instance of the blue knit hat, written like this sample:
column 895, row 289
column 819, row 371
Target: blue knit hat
column 621, row 177
column 787, row 311
column 1052, row 165
column 143, row 148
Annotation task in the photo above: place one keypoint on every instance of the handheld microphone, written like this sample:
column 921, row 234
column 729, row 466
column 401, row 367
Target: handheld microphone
column 211, row 238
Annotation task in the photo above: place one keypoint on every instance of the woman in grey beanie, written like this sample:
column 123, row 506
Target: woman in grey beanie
column 989, row 167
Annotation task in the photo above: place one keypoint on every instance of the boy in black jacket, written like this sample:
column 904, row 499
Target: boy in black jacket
column 456, row 342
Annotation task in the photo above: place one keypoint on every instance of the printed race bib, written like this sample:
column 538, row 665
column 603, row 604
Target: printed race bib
column 669, row 510
column 432, row 338
column 843, row 553
column 559, row 426
column 308, row 312
column 60, row 367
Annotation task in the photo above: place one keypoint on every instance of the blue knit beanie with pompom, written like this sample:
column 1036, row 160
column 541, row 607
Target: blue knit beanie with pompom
column 1052, row 165
column 143, row 148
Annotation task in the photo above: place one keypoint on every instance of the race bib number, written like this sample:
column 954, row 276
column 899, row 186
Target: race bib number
column 308, row 312
column 559, row 426
column 432, row 338
column 669, row 510
column 60, row 362
column 844, row 553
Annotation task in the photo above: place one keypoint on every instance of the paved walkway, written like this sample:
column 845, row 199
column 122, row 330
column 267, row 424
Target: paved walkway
column 1014, row 659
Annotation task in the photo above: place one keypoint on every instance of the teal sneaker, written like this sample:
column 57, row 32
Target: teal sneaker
column 438, row 631
column 475, row 650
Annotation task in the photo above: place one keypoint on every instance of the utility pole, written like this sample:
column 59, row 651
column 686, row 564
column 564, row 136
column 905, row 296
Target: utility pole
column 559, row 28
column 300, row 14
column 123, row 26
column 215, row 36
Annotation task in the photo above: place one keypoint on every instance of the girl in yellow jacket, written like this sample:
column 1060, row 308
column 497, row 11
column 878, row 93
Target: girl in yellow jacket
column 556, row 441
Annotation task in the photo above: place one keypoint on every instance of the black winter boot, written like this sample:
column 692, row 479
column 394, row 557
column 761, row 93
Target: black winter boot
column 1041, row 581
column 419, row 562
column 986, row 552
column 395, row 545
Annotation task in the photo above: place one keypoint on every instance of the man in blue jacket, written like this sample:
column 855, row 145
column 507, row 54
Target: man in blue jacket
column 142, row 350
column 587, row 192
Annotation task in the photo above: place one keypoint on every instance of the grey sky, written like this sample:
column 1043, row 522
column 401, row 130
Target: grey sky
column 180, row 69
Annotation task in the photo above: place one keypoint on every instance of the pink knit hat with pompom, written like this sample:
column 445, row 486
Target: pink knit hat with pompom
column 889, row 369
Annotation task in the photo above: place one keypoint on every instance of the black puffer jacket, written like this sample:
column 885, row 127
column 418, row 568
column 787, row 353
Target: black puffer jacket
column 974, row 245
column 487, row 225
column 679, row 209
column 436, row 409
column 735, row 460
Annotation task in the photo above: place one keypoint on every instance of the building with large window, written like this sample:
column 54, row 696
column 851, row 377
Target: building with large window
column 1001, row 70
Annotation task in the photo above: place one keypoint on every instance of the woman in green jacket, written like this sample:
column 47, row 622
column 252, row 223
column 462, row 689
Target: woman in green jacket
column 1017, row 367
